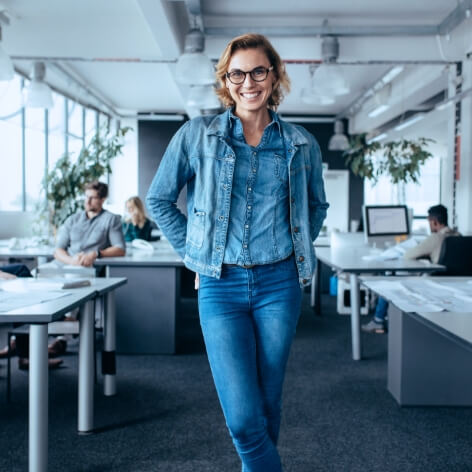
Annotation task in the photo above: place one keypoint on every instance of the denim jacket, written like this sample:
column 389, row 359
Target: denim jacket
column 200, row 156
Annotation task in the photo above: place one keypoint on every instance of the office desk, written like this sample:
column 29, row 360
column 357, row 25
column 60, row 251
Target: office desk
column 429, row 354
column 148, row 307
column 41, row 253
column 38, row 316
column 350, row 260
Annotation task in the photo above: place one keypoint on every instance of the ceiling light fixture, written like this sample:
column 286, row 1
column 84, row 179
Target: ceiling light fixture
column 409, row 122
column 338, row 141
column 378, row 111
column 203, row 97
column 379, row 137
column 6, row 66
column 330, row 80
column 311, row 97
column 392, row 73
column 37, row 93
column 194, row 67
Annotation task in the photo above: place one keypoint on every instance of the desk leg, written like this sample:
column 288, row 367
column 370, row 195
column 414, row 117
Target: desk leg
column 355, row 318
column 38, row 399
column 109, row 348
column 315, row 293
column 86, row 366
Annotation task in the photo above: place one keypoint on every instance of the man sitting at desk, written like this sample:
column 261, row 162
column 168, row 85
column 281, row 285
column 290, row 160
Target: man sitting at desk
column 84, row 237
column 90, row 234
column 429, row 248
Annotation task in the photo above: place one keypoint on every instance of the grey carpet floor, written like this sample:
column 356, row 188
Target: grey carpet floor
column 337, row 413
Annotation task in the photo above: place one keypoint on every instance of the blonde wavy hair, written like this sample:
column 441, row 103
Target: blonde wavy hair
column 253, row 41
column 136, row 201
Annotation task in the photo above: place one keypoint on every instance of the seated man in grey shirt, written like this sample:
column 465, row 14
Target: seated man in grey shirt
column 90, row 234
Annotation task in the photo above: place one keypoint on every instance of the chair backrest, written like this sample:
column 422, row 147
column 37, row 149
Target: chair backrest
column 456, row 255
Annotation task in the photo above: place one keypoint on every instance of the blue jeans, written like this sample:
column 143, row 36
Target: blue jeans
column 381, row 309
column 248, row 319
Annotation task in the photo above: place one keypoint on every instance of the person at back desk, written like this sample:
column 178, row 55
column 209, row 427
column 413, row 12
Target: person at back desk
column 136, row 225
column 429, row 248
column 90, row 234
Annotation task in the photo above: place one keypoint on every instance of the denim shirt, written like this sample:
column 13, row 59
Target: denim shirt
column 258, row 227
column 200, row 155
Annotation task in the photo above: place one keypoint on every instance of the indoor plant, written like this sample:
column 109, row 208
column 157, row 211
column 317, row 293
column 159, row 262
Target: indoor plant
column 64, row 184
column 400, row 160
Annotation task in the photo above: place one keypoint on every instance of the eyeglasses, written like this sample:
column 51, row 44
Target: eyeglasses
column 259, row 74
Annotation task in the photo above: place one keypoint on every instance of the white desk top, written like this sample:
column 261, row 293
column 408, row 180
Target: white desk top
column 350, row 259
column 457, row 323
column 162, row 255
column 54, row 310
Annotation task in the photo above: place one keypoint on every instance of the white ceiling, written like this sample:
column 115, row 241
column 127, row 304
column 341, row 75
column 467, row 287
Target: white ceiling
column 116, row 48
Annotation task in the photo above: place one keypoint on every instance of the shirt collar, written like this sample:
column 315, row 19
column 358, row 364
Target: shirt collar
column 234, row 120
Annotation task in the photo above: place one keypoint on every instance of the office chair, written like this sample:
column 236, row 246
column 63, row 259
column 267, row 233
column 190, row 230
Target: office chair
column 456, row 255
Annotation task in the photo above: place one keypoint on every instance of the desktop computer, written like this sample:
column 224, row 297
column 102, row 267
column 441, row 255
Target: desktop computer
column 386, row 224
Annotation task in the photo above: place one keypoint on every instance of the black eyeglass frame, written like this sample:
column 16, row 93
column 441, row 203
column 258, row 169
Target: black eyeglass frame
column 250, row 72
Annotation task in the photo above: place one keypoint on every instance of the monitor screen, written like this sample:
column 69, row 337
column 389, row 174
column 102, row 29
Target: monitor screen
column 386, row 220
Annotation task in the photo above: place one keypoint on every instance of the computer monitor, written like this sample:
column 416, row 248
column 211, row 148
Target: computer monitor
column 383, row 223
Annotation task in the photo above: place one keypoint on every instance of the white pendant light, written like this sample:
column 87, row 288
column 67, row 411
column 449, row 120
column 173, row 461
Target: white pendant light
column 338, row 141
column 6, row 66
column 330, row 80
column 37, row 93
column 311, row 97
column 194, row 67
column 202, row 97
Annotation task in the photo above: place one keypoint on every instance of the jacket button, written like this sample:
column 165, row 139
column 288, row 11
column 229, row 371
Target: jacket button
column 305, row 281
column 301, row 258
column 296, row 229
column 292, row 200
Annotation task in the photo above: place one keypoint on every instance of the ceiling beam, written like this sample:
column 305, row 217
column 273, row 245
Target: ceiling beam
column 456, row 17
column 348, row 31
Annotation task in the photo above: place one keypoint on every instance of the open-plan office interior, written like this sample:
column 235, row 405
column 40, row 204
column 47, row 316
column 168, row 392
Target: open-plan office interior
column 386, row 89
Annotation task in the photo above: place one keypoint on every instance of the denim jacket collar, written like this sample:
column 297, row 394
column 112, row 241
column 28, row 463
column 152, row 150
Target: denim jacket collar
column 220, row 125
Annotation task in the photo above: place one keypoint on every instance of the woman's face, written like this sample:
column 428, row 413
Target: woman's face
column 131, row 208
column 250, row 96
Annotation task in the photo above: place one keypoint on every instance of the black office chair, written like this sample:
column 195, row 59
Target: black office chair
column 456, row 255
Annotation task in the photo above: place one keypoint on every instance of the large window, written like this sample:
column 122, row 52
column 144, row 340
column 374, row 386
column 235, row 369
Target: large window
column 32, row 141
column 419, row 196
column 35, row 155
column 11, row 149
column 75, row 129
column 56, row 128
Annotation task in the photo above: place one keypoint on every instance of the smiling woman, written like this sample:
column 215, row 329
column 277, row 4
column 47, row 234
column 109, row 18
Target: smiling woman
column 248, row 236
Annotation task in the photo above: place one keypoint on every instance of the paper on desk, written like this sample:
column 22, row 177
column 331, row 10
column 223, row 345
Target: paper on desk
column 421, row 295
column 25, row 285
column 14, row 300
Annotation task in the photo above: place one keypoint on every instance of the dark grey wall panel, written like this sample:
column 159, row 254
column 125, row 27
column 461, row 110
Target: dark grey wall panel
column 154, row 136
column 336, row 161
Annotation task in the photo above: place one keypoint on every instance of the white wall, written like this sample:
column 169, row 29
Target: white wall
column 124, row 178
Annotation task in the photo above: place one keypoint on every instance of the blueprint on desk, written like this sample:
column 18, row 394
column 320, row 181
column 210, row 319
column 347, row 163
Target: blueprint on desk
column 425, row 295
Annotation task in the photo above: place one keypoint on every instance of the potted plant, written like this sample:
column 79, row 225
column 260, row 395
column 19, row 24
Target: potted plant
column 400, row 160
column 64, row 184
